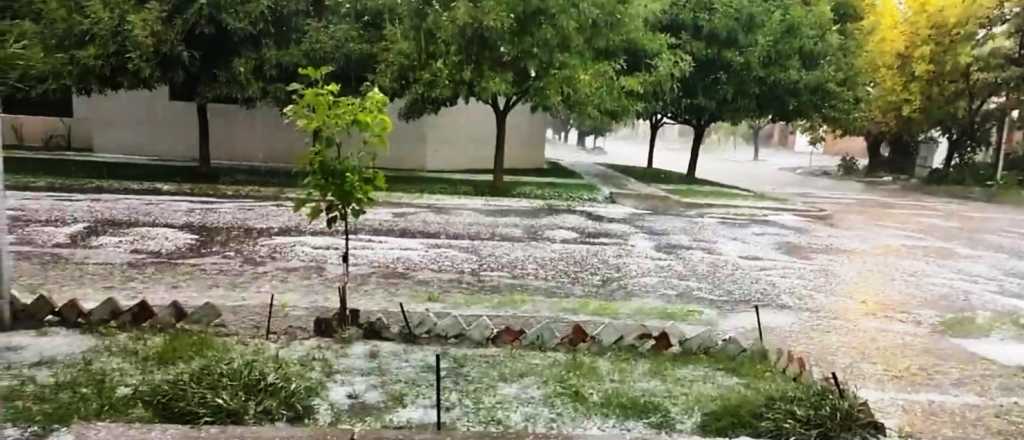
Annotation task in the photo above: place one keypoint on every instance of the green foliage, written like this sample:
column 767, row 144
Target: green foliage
column 964, row 172
column 780, row 59
column 663, row 177
column 238, row 387
column 340, row 179
column 848, row 165
column 503, row 53
column 179, row 377
column 783, row 412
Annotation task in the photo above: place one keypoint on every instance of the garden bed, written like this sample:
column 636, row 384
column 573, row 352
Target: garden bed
column 179, row 377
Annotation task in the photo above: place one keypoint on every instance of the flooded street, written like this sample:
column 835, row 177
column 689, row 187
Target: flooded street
column 915, row 300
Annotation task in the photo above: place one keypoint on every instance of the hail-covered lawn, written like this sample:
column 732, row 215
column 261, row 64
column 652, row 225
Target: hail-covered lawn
column 386, row 385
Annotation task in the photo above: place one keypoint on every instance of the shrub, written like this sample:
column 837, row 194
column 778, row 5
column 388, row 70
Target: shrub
column 240, row 387
column 963, row 173
column 787, row 412
column 848, row 165
column 180, row 377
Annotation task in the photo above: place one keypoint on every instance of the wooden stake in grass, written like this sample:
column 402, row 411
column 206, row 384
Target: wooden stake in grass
column 437, row 387
column 839, row 388
column 270, row 314
column 406, row 319
column 760, row 332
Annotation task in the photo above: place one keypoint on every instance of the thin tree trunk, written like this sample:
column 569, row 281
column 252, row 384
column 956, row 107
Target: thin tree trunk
column 1000, row 144
column 655, row 126
column 204, row 136
column 343, row 299
column 698, row 139
column 951, row 149
column 757, row 142
column 501, row 119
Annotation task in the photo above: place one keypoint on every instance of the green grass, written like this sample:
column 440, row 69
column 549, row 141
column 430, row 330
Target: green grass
column 190, row 378
column 500, row 390
column 552, row 169
column 179, row 377
column 558, row 191
column 980, row 325
column 783, row 411
column 589, row 307
column 687, row 188
column 659, row 176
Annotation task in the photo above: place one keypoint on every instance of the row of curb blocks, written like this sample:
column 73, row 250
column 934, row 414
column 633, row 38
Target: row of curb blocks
column 547, row 335
column 38, row 312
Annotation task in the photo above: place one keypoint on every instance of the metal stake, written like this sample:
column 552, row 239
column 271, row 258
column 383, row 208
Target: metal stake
column 760, row 332
column 437, row 388
column 270, row 314
column 406, row 319
column 839, row 388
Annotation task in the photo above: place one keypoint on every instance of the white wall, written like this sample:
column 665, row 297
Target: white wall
column 147, row 123
column 35, row 129
column 463, row 138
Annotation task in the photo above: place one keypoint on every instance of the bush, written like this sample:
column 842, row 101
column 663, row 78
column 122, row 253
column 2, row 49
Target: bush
column 968, row 173
column 848, row 165
column 789, row 412
column 241, row 387
column 180, row 377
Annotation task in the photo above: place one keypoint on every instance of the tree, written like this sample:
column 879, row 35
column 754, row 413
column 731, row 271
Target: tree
column 203, row 50
column 345, row 134
column 756, row 125
column 502, row 53
column 751, row 60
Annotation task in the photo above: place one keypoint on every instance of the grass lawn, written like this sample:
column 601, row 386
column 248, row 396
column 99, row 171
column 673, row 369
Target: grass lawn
column 658, row 176
column 179, row 377
column 568, row 191
column 61, row 174
column 680, row 185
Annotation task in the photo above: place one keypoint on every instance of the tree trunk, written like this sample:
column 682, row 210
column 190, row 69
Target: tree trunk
column 565, row 136
column 875, row 158
column 757, row 142
column 698, row 138
column 902, row 154
column 581, row 139
column 1000, row 145
column 951, row 150
column 343, row 294
column 204, row 136
column 501, row 119
column 655, row 126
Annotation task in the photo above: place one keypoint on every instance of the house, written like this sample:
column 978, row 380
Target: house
column 149, row 123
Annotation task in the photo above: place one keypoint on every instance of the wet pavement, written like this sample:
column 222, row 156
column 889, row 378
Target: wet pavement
column 862, row 292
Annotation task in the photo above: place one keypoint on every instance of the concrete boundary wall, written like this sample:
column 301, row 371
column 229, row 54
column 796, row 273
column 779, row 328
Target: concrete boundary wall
column 147, row 123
